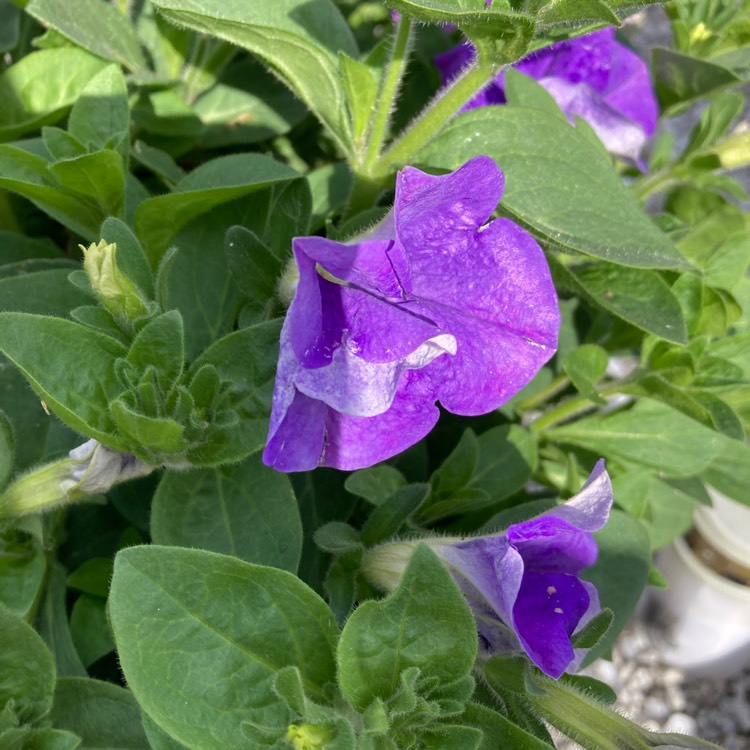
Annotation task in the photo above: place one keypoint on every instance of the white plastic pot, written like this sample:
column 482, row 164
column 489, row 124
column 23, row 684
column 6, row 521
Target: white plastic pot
column 706, row 609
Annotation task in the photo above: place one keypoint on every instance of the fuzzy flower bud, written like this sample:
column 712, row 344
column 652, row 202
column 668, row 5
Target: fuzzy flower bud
column 89, row 469
column 115, row 290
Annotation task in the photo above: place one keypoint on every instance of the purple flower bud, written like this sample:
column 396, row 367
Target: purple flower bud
column 593, row 77
column 436, row 303
column 523, row 584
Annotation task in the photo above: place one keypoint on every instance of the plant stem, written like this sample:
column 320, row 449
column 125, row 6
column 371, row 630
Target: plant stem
column 654, row 183
column 381, row 116
column 434, row 118
column 570, row 408
column 559, row 383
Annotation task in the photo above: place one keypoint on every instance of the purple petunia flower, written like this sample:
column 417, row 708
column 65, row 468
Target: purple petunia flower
column 433, row 304
column 522, row 584
column 593, row 77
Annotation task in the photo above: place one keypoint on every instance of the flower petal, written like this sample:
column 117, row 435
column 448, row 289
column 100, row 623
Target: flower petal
column 547, row 611
column 497, row 298
column 356, row 442
column 432, row 212
column 489, row 572
column 551, row 545
column 589, row 509
column 619, row 134
column 295, row 441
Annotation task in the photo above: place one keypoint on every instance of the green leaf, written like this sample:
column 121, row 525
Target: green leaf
column 542, row 161
column 388, row 518
column 498, row 731
column 27, row 738
column 52, row 623
column 41, row 87
column 104, row 715
column 510, row 31
column 620, row 573
column 22, row 573
column 375, row 484
column 157, row 220
column 254, row 267
column 594, row 630
column 650, row 434
column 10, row 25
column 44, row 348
column 246, row 359
column 27, row 668
column 457, row 470
column 159, row 162
column 6, row 450
column 158, row 739
column 31, row 425
column 297, row 39
column 100, row 118
column 729, row 470
column 16, row 247
column 585, row 367
column 330, row 187
column 681, row 78
column 28, row 175
column 522, row 90
column 99, row 177
column 245, row 510
column 575, row 12
column 94, row 25
column 507, row 457
column 201, row 636
column 424, row 623
column 198, row 280
column 361, row 84
column 60, row 144
column 153, row 438
column 637, row 295
column 89, row 629
column 160, row 345
column 246, row 105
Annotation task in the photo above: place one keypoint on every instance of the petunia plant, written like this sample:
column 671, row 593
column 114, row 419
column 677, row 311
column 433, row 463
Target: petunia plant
column 355, row 359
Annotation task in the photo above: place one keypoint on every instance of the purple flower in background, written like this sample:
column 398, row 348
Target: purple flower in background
column 433, row 304
column 593, row 77
column 523, row 584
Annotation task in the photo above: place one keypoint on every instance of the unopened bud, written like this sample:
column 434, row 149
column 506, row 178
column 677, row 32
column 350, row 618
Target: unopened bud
column 89, row 469
column 307, row 736
column 114, row 289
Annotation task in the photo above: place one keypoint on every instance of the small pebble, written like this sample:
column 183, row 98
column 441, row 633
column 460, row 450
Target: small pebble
column 656, row 709
column 681, row 724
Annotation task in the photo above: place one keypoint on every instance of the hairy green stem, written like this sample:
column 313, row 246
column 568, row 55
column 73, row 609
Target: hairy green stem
column 570, row 408
column 381, row 116
column 559, row 383
column 434, row 118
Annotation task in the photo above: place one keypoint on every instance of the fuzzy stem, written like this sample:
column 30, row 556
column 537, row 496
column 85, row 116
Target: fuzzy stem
column 434, row 118
column 559, row 383
column 381, row 116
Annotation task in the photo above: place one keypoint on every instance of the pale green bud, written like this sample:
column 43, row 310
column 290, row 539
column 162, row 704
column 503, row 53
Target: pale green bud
column 286, row 286
column 89, row 469
column 384, row 566
column 307, row 736
column 115, row 290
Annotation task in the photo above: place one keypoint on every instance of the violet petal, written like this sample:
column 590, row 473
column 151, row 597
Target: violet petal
column 546, row 613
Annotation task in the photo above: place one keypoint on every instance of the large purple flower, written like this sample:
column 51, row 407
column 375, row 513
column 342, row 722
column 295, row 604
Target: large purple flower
column 593, row 77
column 434, row 304
column 523, row 584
